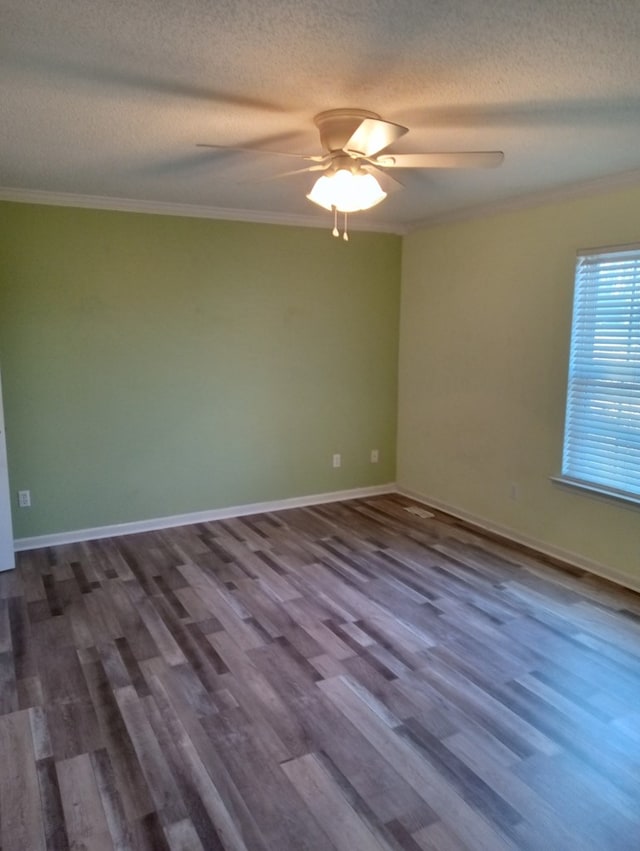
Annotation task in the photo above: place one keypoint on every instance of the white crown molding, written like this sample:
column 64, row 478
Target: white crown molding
column 541, row 547
column 525, row 201
column 193, row 211
column 156, row 523
column 568, row 192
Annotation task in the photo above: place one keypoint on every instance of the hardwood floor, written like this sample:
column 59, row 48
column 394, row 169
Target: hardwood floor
column 349, row 676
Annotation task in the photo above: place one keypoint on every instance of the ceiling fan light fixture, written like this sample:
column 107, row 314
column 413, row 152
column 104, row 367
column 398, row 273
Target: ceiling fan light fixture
column 347, row 191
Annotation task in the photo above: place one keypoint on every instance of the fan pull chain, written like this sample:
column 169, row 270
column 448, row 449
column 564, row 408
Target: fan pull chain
column 335, row 231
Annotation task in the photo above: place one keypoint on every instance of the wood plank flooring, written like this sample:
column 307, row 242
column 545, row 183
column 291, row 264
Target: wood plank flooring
column 348, row 676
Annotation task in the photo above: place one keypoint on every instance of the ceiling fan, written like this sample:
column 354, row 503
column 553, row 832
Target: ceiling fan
column 355, row 160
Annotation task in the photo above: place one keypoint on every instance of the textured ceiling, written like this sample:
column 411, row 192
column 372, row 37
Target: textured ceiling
column 110, row 97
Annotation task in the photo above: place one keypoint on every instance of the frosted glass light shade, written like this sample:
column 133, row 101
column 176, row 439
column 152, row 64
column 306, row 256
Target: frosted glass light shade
column 346, row 191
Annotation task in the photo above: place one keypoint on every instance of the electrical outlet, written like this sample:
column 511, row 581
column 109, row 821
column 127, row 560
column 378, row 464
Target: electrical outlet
column 24, row 499
column 514, row 492
column 375, row 456
column 337, row 460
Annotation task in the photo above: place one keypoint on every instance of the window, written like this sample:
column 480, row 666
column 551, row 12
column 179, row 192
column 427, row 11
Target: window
column 602, row 428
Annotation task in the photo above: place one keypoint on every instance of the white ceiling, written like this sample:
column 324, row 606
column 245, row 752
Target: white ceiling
column 109, row 97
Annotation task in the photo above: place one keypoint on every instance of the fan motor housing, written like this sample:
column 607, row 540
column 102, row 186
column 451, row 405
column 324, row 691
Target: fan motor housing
column 337, row 126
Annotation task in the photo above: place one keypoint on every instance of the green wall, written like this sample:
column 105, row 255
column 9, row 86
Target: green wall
column 484, row 342
column 157, row 365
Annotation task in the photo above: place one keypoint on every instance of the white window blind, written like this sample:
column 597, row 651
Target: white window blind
column 602, row 427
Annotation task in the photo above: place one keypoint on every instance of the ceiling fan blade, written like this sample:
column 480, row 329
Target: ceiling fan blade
column 305, row 170
column 237, row 148
column 373, row 135
column 389, row 184
column 453, row 159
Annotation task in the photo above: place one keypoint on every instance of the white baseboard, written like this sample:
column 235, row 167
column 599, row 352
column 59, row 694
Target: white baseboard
column 542, row 547
column 156, row 523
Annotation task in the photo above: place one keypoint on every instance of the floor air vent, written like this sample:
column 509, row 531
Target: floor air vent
column 419, row 512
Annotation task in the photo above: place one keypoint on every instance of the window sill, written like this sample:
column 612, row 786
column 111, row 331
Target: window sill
column 598, row 490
